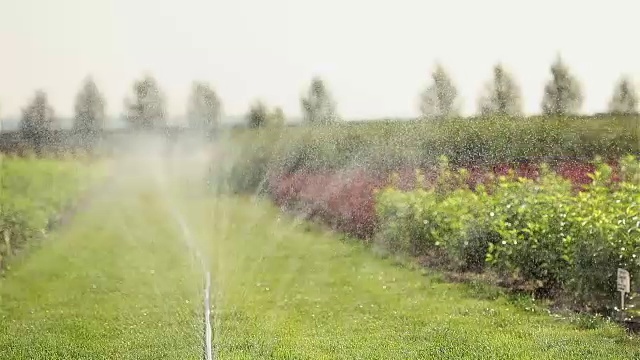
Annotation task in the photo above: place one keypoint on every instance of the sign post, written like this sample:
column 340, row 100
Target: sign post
column 624, row 286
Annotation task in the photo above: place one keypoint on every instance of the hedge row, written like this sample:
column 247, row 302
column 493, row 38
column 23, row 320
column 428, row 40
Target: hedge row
column 387, row 146
column 345, row 198
column 540, row 231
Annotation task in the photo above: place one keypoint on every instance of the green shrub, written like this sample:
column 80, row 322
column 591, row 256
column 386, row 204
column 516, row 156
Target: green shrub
column 605, row 221
column 529, row 217
column 403, row 228
column 14, row 233
column 442, row 218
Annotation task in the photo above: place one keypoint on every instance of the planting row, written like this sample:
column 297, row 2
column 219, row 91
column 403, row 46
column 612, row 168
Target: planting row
column 32, row 194
column 565, row 230
column 345, row 198
column 389, row 146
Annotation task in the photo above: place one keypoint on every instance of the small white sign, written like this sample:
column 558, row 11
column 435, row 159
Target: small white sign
column 624, row 283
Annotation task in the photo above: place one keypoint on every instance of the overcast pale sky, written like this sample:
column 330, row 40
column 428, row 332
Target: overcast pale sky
column 375, row 55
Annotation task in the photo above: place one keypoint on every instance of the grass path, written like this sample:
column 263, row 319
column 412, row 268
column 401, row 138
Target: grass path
column 116, row 283
column 119, row 282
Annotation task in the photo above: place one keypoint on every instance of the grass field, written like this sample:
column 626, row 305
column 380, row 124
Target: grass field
column 114, row 283
column 119, row 281
column 35, row 195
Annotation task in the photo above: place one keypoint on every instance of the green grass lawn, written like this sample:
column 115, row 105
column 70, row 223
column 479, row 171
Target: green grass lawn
column 112, row 284
column 120, row 282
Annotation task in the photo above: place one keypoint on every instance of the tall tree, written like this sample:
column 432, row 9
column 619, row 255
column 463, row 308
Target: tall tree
column 440, row 98
column 204, row 108
column 258, row 115
column 318, row 107
column 625, row 98
column 503, row 96
column 147, row 109
column 37, row 121
column 89, row 113
column 562, row 94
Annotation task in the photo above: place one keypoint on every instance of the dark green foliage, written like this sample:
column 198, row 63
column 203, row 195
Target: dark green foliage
column 440, row 99
column 562, row 94
column 625, row 99
column 89, row 114
column 147, row 109
column 503, row 96
column 258, row 115
column 16, row 232
column 318, row 107
column 204, row 108
column 37, row 122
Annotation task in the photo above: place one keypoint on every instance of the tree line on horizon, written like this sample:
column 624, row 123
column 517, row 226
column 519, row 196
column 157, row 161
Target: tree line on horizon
column 145, row 109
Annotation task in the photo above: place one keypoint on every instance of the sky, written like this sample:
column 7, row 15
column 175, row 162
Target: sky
column 374, row 55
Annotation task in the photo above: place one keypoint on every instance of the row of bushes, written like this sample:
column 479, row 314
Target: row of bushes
column 345, row 198
column 32, row 193
column 385, row 146
column 541, row 231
